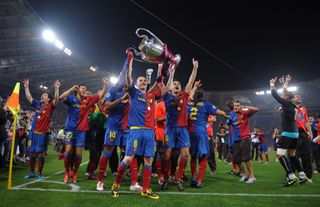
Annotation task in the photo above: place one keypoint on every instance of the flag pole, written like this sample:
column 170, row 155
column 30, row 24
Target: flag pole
column 12, row 150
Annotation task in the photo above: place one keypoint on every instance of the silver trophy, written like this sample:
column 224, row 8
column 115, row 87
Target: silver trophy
column 153, row 50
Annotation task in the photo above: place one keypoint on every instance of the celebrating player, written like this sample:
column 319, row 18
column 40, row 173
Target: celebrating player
column 241, row 136
column 198, row 113
column 77, row 124
column 176, row 133
column 40, row 127
column 289, row 136
column 141, row 138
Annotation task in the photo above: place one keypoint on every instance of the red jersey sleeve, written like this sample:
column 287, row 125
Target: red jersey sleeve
column 93, row 99
column 247, row 112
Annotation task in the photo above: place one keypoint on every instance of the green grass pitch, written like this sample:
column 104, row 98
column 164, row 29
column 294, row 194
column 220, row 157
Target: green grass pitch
column 219, row 190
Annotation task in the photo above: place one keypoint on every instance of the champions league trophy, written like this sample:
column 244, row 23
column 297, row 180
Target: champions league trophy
column 153, row 50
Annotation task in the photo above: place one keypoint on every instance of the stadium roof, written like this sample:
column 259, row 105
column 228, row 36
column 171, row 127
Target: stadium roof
column 25, row 54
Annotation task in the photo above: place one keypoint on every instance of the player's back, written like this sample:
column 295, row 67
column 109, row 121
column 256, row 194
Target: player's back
column 198, row 113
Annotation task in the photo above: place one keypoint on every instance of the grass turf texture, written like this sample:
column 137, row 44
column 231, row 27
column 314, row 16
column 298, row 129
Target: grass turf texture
column 216, row 190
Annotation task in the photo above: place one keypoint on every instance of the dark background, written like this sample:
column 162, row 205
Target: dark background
column 259, row 41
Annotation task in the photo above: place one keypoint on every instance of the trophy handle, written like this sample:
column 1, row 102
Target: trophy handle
column 145, row 36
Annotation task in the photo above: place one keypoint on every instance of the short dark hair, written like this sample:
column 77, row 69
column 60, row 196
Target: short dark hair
column 230, row 105
column 198, row 95
column 237, row 101
column 81, row 84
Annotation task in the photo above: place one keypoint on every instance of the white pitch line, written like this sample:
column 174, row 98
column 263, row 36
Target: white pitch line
column 40, row 180
column 177, row 193
column 73, row 186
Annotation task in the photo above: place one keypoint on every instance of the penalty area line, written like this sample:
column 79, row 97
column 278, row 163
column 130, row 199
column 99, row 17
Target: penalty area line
column 174, row 193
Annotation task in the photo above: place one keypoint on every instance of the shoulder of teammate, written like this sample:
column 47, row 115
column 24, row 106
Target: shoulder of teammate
column 156, row 92
column 211, row 109
column 305, row 112
column 36, row 103
column 185, row 95
column 132, row 89
column 52, row 105
column 69, row 99
column 229, row 120
column 93, row 99
column 110, row 94
column 167, row 96
column 247, row 112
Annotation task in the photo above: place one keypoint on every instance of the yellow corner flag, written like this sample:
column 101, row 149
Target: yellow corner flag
column 13, row 105
column 13, row 101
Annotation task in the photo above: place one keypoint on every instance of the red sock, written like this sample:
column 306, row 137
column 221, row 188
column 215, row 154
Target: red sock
column 102, row 168
column 202, row 169
column 267, row 157
column 147, row 170
column 77, row 163
column 134, row 171
column 193, row 165
column 40, row 164
column 173, row 165
column 121, row 170
column 166, row 166
column 261, row 158
column 159, row 167
column 66, row 161
column 182, row 167
column 32, row 164
column 235, row 167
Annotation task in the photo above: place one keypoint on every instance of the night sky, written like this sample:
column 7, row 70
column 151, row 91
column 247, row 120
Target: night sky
column 259, row 41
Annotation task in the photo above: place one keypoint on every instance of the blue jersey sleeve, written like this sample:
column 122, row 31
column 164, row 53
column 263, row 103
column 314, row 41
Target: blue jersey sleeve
column 69, row 100
column 211, row 109
column 110, row 96
column 36, row 104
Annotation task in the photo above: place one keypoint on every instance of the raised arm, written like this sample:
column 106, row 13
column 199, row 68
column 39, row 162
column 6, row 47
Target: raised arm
column 103, row 91
column 129, row 74
column 27, row 90
column 73, row 89
column 197, row 85
column 274, row 91
column 222, row 113
column 192, row 76
column 56, row 93
column 110, row 105
column 252, row 108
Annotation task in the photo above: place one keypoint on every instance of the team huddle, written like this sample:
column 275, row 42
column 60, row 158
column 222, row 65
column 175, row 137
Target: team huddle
column 144, row 119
